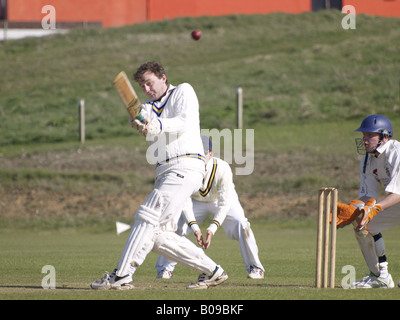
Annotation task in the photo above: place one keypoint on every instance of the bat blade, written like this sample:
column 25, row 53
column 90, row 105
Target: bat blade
column 128, row 95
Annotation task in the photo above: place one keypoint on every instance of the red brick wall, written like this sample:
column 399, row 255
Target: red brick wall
column 386, row 8
column 122, row 12
column 161, row 9
column 109, row 12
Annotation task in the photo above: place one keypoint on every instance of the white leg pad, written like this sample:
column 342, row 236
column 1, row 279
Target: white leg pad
column 139, row 244
column 183, row 251
column 150, row 210
column 380, row 247
column 141, row 238
column 367, row 246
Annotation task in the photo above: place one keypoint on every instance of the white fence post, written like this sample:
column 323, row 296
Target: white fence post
column 82, row 121
column 239, row 111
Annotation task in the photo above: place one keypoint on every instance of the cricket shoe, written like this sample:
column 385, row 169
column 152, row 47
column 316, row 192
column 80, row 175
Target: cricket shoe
column 205, row 282
column 255, row 273
column 372, row 281
column 112, row 281
column 164, row 274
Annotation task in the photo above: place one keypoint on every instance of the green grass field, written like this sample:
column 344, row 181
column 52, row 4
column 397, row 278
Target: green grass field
column 307, row 85
column 81, row 256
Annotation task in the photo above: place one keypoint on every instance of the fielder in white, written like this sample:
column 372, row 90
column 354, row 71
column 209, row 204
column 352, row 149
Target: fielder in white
column 379, row 167
column 217, row 197
column 173, row 132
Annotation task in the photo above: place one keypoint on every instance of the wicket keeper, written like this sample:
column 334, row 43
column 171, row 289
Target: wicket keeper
column 379, row 167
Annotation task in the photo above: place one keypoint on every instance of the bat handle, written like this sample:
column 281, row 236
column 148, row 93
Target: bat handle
column 140, row 118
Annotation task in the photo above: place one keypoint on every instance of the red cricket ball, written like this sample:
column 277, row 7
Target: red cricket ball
column 196, row 34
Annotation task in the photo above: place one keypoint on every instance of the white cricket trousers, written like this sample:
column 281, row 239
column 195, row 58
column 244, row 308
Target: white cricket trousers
column 385, row 220
column 173, row 188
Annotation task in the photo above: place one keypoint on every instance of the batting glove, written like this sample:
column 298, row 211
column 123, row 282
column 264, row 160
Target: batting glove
column 370, row 210
column 153, row 127
column 139, row 126
column 131, row 121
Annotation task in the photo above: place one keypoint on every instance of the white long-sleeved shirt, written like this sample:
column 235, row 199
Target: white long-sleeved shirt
column 217, row 187
column 383, row 169
column 179, row 145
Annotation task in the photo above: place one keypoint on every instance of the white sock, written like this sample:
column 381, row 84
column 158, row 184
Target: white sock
column 383, row 268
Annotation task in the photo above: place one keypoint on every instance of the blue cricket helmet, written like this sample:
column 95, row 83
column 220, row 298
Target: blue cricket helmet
column 378, row 124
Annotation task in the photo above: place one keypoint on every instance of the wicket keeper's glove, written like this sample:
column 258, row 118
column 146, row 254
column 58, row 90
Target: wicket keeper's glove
column 370, row 210
column 347, row 213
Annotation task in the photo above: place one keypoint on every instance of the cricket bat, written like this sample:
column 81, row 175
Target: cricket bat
column 128, row 96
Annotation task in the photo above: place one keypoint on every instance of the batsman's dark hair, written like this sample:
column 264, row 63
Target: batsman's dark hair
column 152, row 66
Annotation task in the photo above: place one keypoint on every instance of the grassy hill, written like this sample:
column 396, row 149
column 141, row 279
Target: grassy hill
column 291, row 67
column 307, row 84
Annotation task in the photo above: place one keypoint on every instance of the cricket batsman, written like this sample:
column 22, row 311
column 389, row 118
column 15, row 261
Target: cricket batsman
column 172, row 124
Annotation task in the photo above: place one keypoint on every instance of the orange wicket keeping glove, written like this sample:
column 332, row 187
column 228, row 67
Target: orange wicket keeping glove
column 347, row 213
column 370, row 210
